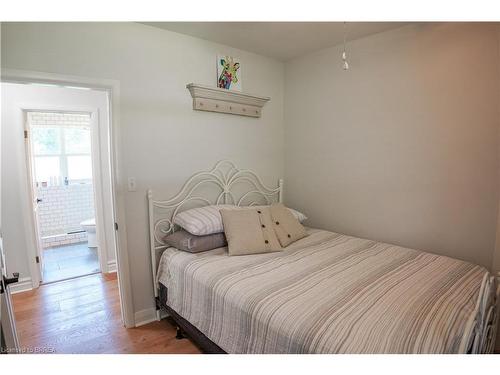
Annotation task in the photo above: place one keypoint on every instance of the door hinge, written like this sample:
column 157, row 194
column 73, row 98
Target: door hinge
column 116, row 226
column 37, row 258
column 25, row 134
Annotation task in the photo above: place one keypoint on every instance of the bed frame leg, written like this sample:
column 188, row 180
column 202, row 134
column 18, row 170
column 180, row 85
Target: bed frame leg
column 180, row 333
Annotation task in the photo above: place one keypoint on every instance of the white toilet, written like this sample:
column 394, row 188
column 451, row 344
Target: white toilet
column 89, row 227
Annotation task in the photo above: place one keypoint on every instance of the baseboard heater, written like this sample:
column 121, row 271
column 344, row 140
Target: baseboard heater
column 63, row 234
column 76, row 232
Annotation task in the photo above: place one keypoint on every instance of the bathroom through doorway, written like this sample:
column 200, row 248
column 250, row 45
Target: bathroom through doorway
column 59, row 148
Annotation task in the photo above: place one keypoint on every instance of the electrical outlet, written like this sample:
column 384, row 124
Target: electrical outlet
column 132, row 184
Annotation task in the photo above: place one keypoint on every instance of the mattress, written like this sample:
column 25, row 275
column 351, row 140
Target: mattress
column 332, row 293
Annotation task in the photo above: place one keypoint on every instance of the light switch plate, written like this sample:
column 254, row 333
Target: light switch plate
column 131, row 184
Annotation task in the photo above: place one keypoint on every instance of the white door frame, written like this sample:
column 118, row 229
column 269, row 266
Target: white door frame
column 98, row 187
column 120, row 236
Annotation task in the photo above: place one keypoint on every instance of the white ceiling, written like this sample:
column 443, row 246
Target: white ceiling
column 280, row 40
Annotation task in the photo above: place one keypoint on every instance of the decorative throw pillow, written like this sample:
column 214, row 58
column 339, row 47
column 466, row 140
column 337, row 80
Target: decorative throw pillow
column 297, row 214
column 286, row 226
column 249, row 231
column 202, row 221
column 186, row 241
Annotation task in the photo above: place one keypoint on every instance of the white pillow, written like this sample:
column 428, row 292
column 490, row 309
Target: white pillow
column 202, row 221
column 298, row 215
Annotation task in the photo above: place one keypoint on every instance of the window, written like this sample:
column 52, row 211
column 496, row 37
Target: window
column 61, row 147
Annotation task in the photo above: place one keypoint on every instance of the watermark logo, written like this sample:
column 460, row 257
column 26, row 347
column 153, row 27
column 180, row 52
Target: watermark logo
column 29, row 350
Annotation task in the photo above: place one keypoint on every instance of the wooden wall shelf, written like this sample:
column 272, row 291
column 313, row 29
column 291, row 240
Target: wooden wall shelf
column 212, row 99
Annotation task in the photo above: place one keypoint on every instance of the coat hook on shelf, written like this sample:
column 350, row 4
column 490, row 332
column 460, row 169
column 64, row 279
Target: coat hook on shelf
column 226, row 101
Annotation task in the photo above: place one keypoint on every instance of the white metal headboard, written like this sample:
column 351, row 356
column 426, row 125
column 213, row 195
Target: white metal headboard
column 241, row 187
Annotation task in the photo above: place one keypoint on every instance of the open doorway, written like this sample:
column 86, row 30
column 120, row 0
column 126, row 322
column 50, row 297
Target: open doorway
column 59, row 148
column 23, row 92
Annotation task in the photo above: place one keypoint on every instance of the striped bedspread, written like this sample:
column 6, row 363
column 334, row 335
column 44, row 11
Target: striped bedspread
column 331, row 293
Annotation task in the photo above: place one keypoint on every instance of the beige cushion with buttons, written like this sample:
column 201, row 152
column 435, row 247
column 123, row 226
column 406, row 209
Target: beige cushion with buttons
column 249, row 231
column 286, row 226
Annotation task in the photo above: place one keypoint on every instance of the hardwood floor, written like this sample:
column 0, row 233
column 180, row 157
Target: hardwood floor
column 83, row 316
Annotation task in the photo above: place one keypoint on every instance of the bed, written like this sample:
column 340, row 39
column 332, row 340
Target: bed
column 326, row 293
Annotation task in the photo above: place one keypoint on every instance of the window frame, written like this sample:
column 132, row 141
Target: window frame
column 63, row 155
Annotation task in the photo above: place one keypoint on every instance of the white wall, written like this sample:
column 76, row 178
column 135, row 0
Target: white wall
column 163, row 139
column 16, row 215
column 403, row 147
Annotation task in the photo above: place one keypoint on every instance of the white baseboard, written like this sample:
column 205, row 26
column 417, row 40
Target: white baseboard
column 112, row 266
column 144, row 316
column 23, row 285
